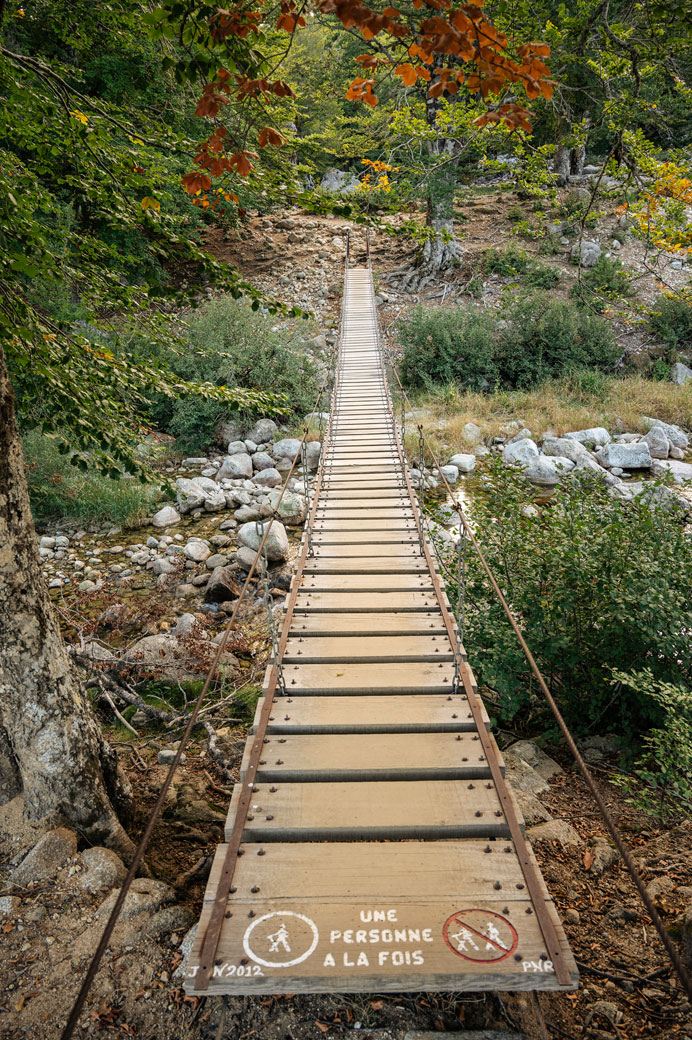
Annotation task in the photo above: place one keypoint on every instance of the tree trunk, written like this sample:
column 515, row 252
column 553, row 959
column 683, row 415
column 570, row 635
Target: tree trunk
column 47, row 728
column 561, row 164
column 441, row 250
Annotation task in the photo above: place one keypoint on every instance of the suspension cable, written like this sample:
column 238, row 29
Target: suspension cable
column 669, row 946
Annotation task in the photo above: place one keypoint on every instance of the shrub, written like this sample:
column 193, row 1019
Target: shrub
column 546, row 337
column 664, row 767
column 607, row 277
column 232, row 345
column 538, row 338
column 448, row 345
column 598, row 585
column 541, row 276
column 671, row 323
column 59, row 489
column 507, row 262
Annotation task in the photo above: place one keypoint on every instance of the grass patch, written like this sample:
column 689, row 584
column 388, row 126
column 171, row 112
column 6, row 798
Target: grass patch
column 58, row 489
column 575, row 401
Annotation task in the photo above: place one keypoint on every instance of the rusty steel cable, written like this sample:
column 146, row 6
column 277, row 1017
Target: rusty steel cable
column 80, row 1000
column 668, row 944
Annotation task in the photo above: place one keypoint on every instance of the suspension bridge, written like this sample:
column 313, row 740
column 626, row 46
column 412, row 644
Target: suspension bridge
column 372, row 843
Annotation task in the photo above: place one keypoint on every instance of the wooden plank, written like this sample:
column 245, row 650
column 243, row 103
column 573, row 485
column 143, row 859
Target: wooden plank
column 405, row 550
column 400, row 623
column 353, row 537
column 334, row 503
column 434, row 713
column 423, row 894
column 312, row 758
column 370, row 602
column 394, row 678
column 374, row 811
column 372, row 564
column 367, row 583
column 316, row 649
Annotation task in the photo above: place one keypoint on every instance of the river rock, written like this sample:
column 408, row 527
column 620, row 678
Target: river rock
column 201, row 491
column 276, row 545
column 592, row 438
column 104, row 870
column 680, row 373
column 291, row 509
column 464, row 463
column 262, row 460
column 677, row 436
column 236, row 448
column 263, row 431
column 166, row 517
column 659, row 445
column 196, row 550
column 51, row 852
column 268, row 478
column 450, row 473
column 313, row 450
column 287, row 448
column 235, row 467
column 245, row 557
column 680, row 471
column 523, row 452
column 472, row 433
column 163, row 654
column 626, row 456
column 185, row 625
column 566, row 448
column 162, row 566
column 547, row 471
column 222, row 585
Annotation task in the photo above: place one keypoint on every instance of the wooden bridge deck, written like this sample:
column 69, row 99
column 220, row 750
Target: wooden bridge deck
column 372, row 844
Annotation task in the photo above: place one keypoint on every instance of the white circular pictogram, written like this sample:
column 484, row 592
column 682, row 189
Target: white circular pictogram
column 281, row 932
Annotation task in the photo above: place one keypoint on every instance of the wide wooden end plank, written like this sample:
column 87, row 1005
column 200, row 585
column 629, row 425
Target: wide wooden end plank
column 394, row 677
column 379, row 917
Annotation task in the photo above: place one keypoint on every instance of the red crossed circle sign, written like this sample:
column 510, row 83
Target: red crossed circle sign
column 481, row 936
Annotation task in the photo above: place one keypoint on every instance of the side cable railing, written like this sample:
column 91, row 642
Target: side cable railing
column 467, row 528
column 145, row 838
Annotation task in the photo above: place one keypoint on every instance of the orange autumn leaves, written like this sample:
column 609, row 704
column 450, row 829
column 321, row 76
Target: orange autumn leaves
column 479, row 57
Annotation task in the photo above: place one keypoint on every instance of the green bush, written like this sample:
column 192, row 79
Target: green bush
column 232, row 345
column 664, row 768
column 58, row 489
column 607, row 277
column 538, row 337
column 448, row 345
column 541, row 276
column 545, row 337
column 599, row 585
column 506, row 262
column 671, row 323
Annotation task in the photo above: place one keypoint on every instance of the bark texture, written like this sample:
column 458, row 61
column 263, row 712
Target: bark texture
column 51, row 739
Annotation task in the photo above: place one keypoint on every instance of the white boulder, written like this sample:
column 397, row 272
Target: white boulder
column 166, row 517
column 592, row 438
column 276, row 545
column 236, row 466
column 523, row 451
column 626, row 456
column 464, row 463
